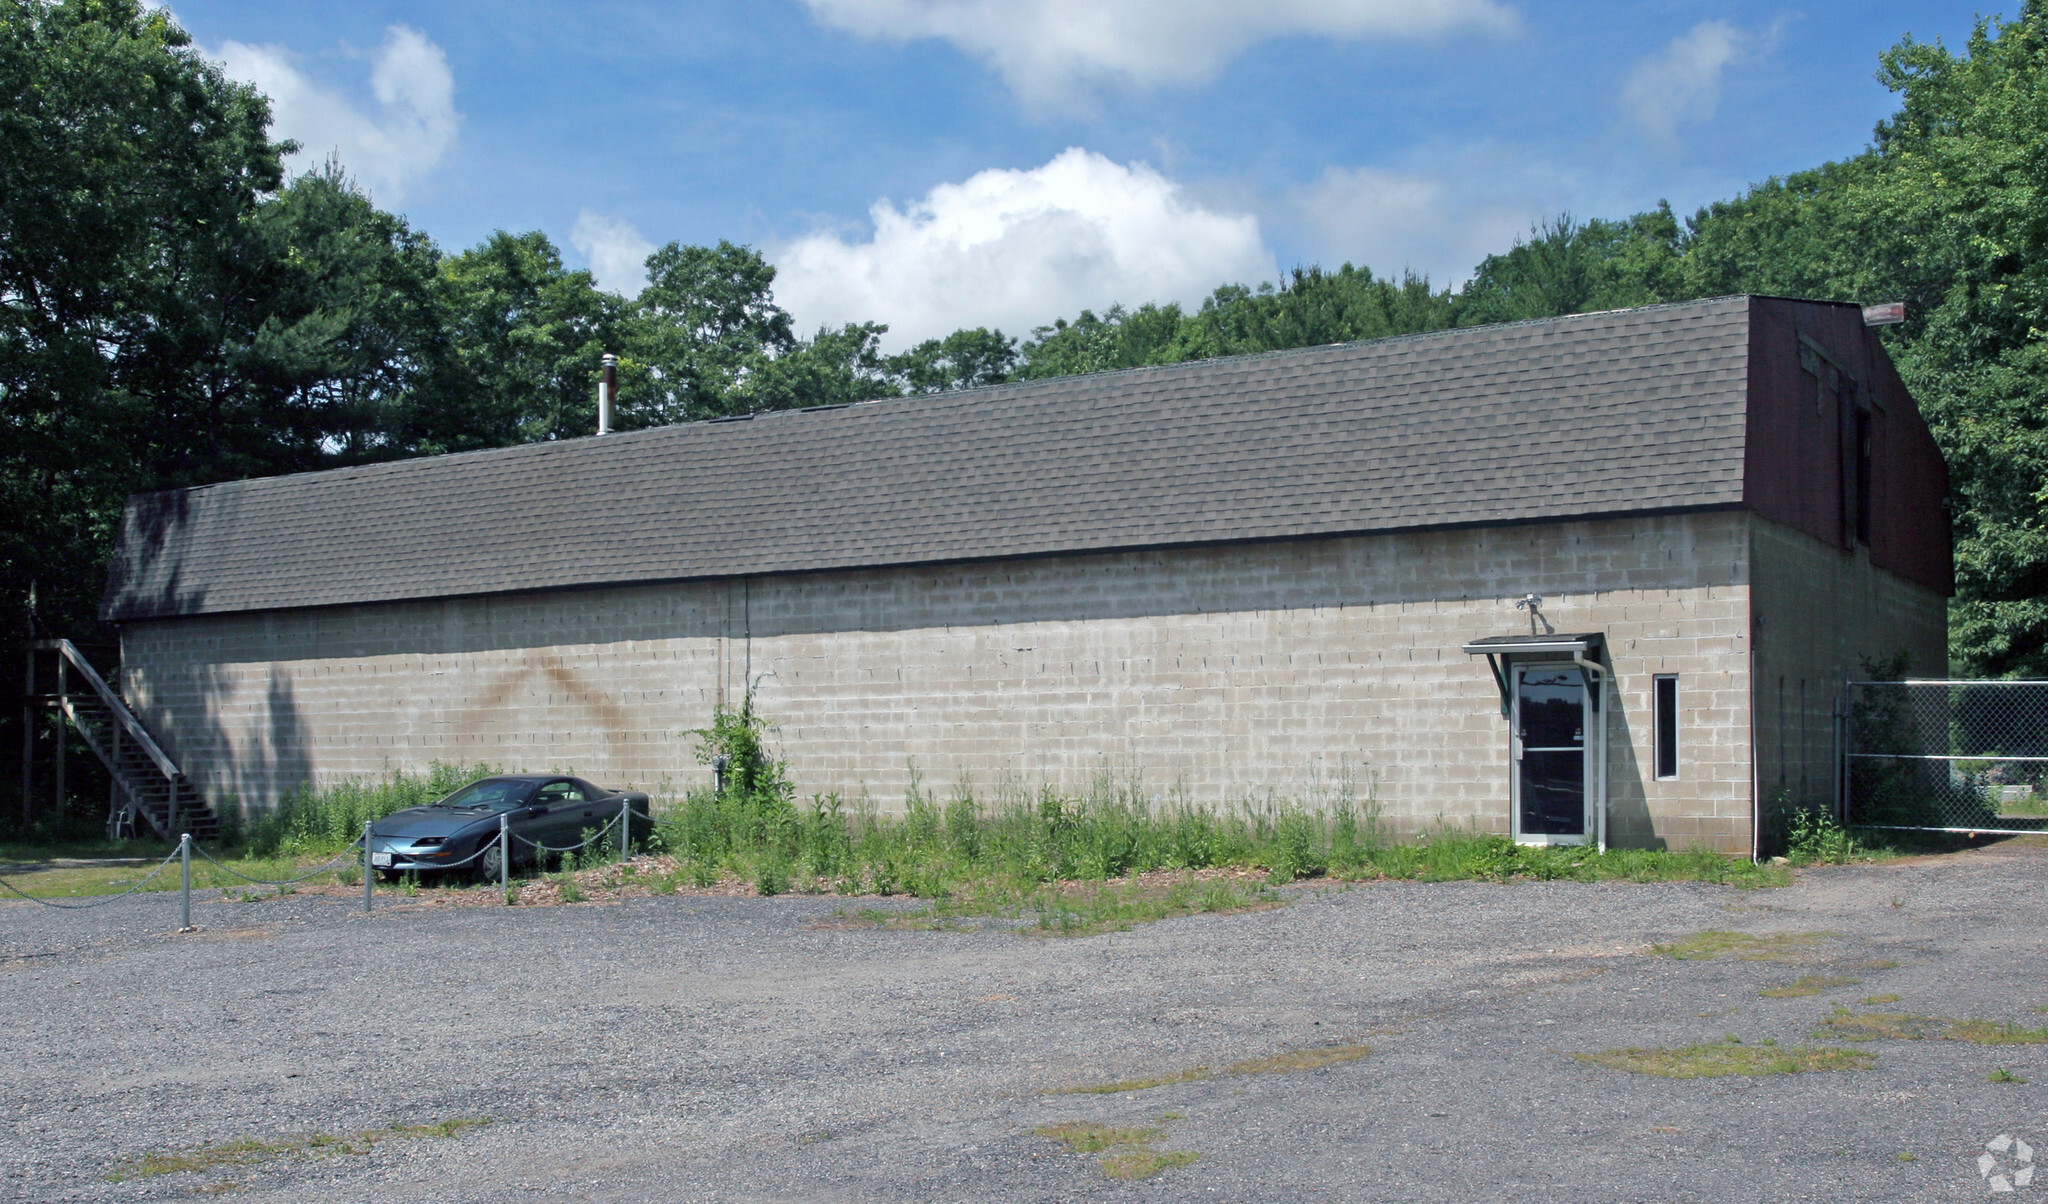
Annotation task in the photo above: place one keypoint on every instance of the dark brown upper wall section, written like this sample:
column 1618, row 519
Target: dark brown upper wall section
column 1795, row 453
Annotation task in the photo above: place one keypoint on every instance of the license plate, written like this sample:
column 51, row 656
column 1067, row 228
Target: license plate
column 380, row 859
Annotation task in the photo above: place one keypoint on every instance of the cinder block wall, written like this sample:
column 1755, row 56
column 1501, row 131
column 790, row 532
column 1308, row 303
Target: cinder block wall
column 1219, row 672
column 1822, row 612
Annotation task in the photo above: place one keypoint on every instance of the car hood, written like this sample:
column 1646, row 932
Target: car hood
column 415, row 822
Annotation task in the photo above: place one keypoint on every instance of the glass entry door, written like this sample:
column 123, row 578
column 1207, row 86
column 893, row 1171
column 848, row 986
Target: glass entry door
column 1551, row 762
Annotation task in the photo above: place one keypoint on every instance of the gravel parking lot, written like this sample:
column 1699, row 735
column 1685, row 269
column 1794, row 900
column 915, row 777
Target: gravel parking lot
column 765, row 1049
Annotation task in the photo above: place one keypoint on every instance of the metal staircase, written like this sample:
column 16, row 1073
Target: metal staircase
column 148, row 786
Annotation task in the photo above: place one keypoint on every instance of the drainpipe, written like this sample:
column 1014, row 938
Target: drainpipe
column 1599, row 674
column 1756, row 777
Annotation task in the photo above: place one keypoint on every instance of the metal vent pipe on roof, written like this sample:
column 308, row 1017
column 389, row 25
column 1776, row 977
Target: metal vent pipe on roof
column 607, row 389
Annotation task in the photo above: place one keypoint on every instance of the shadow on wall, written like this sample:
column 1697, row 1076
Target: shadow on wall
column 1629, row 825
column 274, row 759
column 142, row 578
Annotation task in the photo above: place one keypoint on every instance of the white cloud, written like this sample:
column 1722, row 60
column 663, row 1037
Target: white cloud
column 1055, row 53
column 1681, row 83
column 1015, row 249
column 1425, row 222
column 412, row 129
column 616, row 252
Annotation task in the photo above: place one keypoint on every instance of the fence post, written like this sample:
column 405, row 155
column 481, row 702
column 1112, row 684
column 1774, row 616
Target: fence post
column 185, row 880
column 369, row 873
column 59, row 788
column 625, row 829
column 1842, row 754
column 504, row 856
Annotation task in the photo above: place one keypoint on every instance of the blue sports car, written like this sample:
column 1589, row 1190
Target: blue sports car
column 544, row 809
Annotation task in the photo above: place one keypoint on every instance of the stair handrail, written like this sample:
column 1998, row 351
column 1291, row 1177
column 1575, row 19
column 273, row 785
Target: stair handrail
column 118, row 709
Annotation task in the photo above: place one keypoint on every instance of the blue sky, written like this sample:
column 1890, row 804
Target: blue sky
column 939, row 163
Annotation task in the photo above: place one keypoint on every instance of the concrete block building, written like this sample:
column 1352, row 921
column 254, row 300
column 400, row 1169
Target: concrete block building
column 1595, row 574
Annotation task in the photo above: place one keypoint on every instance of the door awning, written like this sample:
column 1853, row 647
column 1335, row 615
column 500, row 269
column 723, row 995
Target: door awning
column 1499, row 649
column 1496, row 645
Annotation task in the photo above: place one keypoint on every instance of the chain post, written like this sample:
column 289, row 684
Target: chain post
column 504, row 856
column 185, row 881
column 369, row 878
column 625, row 830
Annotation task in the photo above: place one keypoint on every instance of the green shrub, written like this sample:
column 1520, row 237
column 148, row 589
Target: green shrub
column 310, row 822
column 1812, row 835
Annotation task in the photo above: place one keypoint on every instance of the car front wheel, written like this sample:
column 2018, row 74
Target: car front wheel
column 491, row 866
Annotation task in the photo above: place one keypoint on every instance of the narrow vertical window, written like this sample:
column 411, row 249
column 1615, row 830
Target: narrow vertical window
column 1665, row 720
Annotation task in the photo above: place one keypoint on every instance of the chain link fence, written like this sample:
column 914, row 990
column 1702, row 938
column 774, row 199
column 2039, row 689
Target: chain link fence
column 1946, row 756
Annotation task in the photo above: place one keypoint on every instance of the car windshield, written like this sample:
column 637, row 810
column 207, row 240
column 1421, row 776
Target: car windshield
column 496, row 795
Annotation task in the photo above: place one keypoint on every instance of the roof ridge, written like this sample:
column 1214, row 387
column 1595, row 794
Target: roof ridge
column 947, row 396
column 1627, row 411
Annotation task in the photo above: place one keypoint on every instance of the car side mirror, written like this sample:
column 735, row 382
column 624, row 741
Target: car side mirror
column 534, row 810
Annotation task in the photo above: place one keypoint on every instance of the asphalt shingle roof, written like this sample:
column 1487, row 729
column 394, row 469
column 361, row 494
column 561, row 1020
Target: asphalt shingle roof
column 1622, row 412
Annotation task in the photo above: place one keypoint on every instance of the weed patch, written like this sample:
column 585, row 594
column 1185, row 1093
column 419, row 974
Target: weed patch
column 1193, row 1074
column 1082, row 908
column 1301, row 1059
column 1281, row 1063
column 248, row 1151
column 1996, row 1032
column 1130, row 1150
column 1846, row 1025
column 1775, row 947
column 1810, row 984
column 2002, row 1075
column 1721, row 1059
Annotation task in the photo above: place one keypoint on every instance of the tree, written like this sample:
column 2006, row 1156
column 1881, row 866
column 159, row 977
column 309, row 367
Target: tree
column 1943, row 212
column 965, row 359
column 706, row 321
column 706, row 339
column 1568, row 267
column 527, row 338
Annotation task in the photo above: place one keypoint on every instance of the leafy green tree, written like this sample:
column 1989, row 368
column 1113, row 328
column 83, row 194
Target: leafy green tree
column 965, row 359
column 831, row 368
column 706, row 339
column 1568, row 267
column 1311, row 308
column 127, row 166
column 1119, row 338
column 527, row 338
column 706, row 321
column 1965, row 175
column 324, row 340
column 1945, row 212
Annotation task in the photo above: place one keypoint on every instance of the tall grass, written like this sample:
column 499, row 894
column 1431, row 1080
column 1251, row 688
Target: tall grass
column 940, row 846
column 309, row 821
column 946, row 845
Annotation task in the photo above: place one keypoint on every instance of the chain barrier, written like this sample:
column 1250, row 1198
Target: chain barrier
column 360, row 845
column 593, row 838
column 452, row 865
column 347, row 854
column 161, row 867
